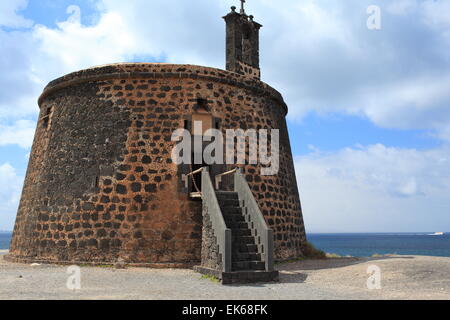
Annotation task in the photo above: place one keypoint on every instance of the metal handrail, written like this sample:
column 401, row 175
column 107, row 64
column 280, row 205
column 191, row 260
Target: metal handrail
column 218, row 177
column 192, row 178
column 195, row 172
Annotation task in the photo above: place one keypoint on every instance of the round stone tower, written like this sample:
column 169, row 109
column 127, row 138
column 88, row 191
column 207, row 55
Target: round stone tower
column 101, row 184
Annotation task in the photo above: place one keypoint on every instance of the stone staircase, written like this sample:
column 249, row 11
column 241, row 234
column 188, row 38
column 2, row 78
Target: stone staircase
column 237, row 244
column 247, row 262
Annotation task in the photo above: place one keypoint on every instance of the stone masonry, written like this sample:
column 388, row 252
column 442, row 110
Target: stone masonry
column 101, row 185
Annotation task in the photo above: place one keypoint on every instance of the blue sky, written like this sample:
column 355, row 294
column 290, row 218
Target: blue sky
column 369, row 113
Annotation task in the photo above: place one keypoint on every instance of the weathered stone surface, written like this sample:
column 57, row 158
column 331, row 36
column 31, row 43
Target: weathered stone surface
column 103, row 177
column 211, row 258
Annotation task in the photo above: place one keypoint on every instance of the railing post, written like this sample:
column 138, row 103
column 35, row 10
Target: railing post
column 236, row 178
column 269, row 250
column 227, row 257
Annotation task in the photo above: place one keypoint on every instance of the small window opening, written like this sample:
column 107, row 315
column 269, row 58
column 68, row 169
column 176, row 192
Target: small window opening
column 46, row 118
column 246, row 33
column 202, row 103
column 45, row 122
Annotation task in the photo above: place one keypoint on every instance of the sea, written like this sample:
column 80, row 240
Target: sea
column 361, row 244
column 5, row 238
column 369, row 244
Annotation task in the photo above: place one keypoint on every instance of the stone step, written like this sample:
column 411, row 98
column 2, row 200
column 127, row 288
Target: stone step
column 225, row 203
column 241, row 276
column 237, row 225
column 241, row 232
column 245, row 253
column 240, row 240
column 248, row 265
column 227, row 196
column 249, row 276
column 246, row 256
column 231, row 210
column 234, row 218
column 245, row 248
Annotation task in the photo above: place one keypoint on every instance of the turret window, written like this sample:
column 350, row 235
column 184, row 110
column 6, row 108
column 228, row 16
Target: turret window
column 46, row 118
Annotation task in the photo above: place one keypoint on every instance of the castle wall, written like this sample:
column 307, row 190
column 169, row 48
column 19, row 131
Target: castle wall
column 101, row 184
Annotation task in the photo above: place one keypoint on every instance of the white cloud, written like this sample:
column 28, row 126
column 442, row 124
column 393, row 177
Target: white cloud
column 419, row 103
column 437, row 14
column 33, row 57
column 375, row 188
column 192, row 33
column 72, row 46
column 318, row 53
column 19, row 87
column 10, row 190
column 401, row 7
column 21, row 133
column 9, row 16
column 332, row 63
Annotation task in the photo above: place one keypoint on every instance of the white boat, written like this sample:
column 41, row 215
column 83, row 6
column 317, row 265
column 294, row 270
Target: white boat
column 437, row 234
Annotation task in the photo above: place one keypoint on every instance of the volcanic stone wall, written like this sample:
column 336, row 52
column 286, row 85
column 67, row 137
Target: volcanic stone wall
column 101, row 184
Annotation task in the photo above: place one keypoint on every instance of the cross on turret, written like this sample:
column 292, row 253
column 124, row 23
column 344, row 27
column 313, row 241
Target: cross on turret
column 242, row 42
column 242, row 7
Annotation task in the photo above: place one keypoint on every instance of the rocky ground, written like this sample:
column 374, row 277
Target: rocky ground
column 402, row 277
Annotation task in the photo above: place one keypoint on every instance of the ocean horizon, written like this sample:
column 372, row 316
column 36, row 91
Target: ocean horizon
column 5, row 238
column 361, row 244
column 369, row 244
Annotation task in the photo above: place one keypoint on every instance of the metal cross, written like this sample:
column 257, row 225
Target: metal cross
column 242, row 6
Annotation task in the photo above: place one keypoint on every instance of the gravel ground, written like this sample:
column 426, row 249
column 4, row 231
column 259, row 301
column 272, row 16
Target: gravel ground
column 402, row 277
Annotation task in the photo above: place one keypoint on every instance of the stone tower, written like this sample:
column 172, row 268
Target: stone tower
column 101, row 184
column 242, row 43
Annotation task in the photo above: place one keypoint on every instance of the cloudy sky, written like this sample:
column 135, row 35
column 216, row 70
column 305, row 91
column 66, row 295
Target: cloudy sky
column 369, row 109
